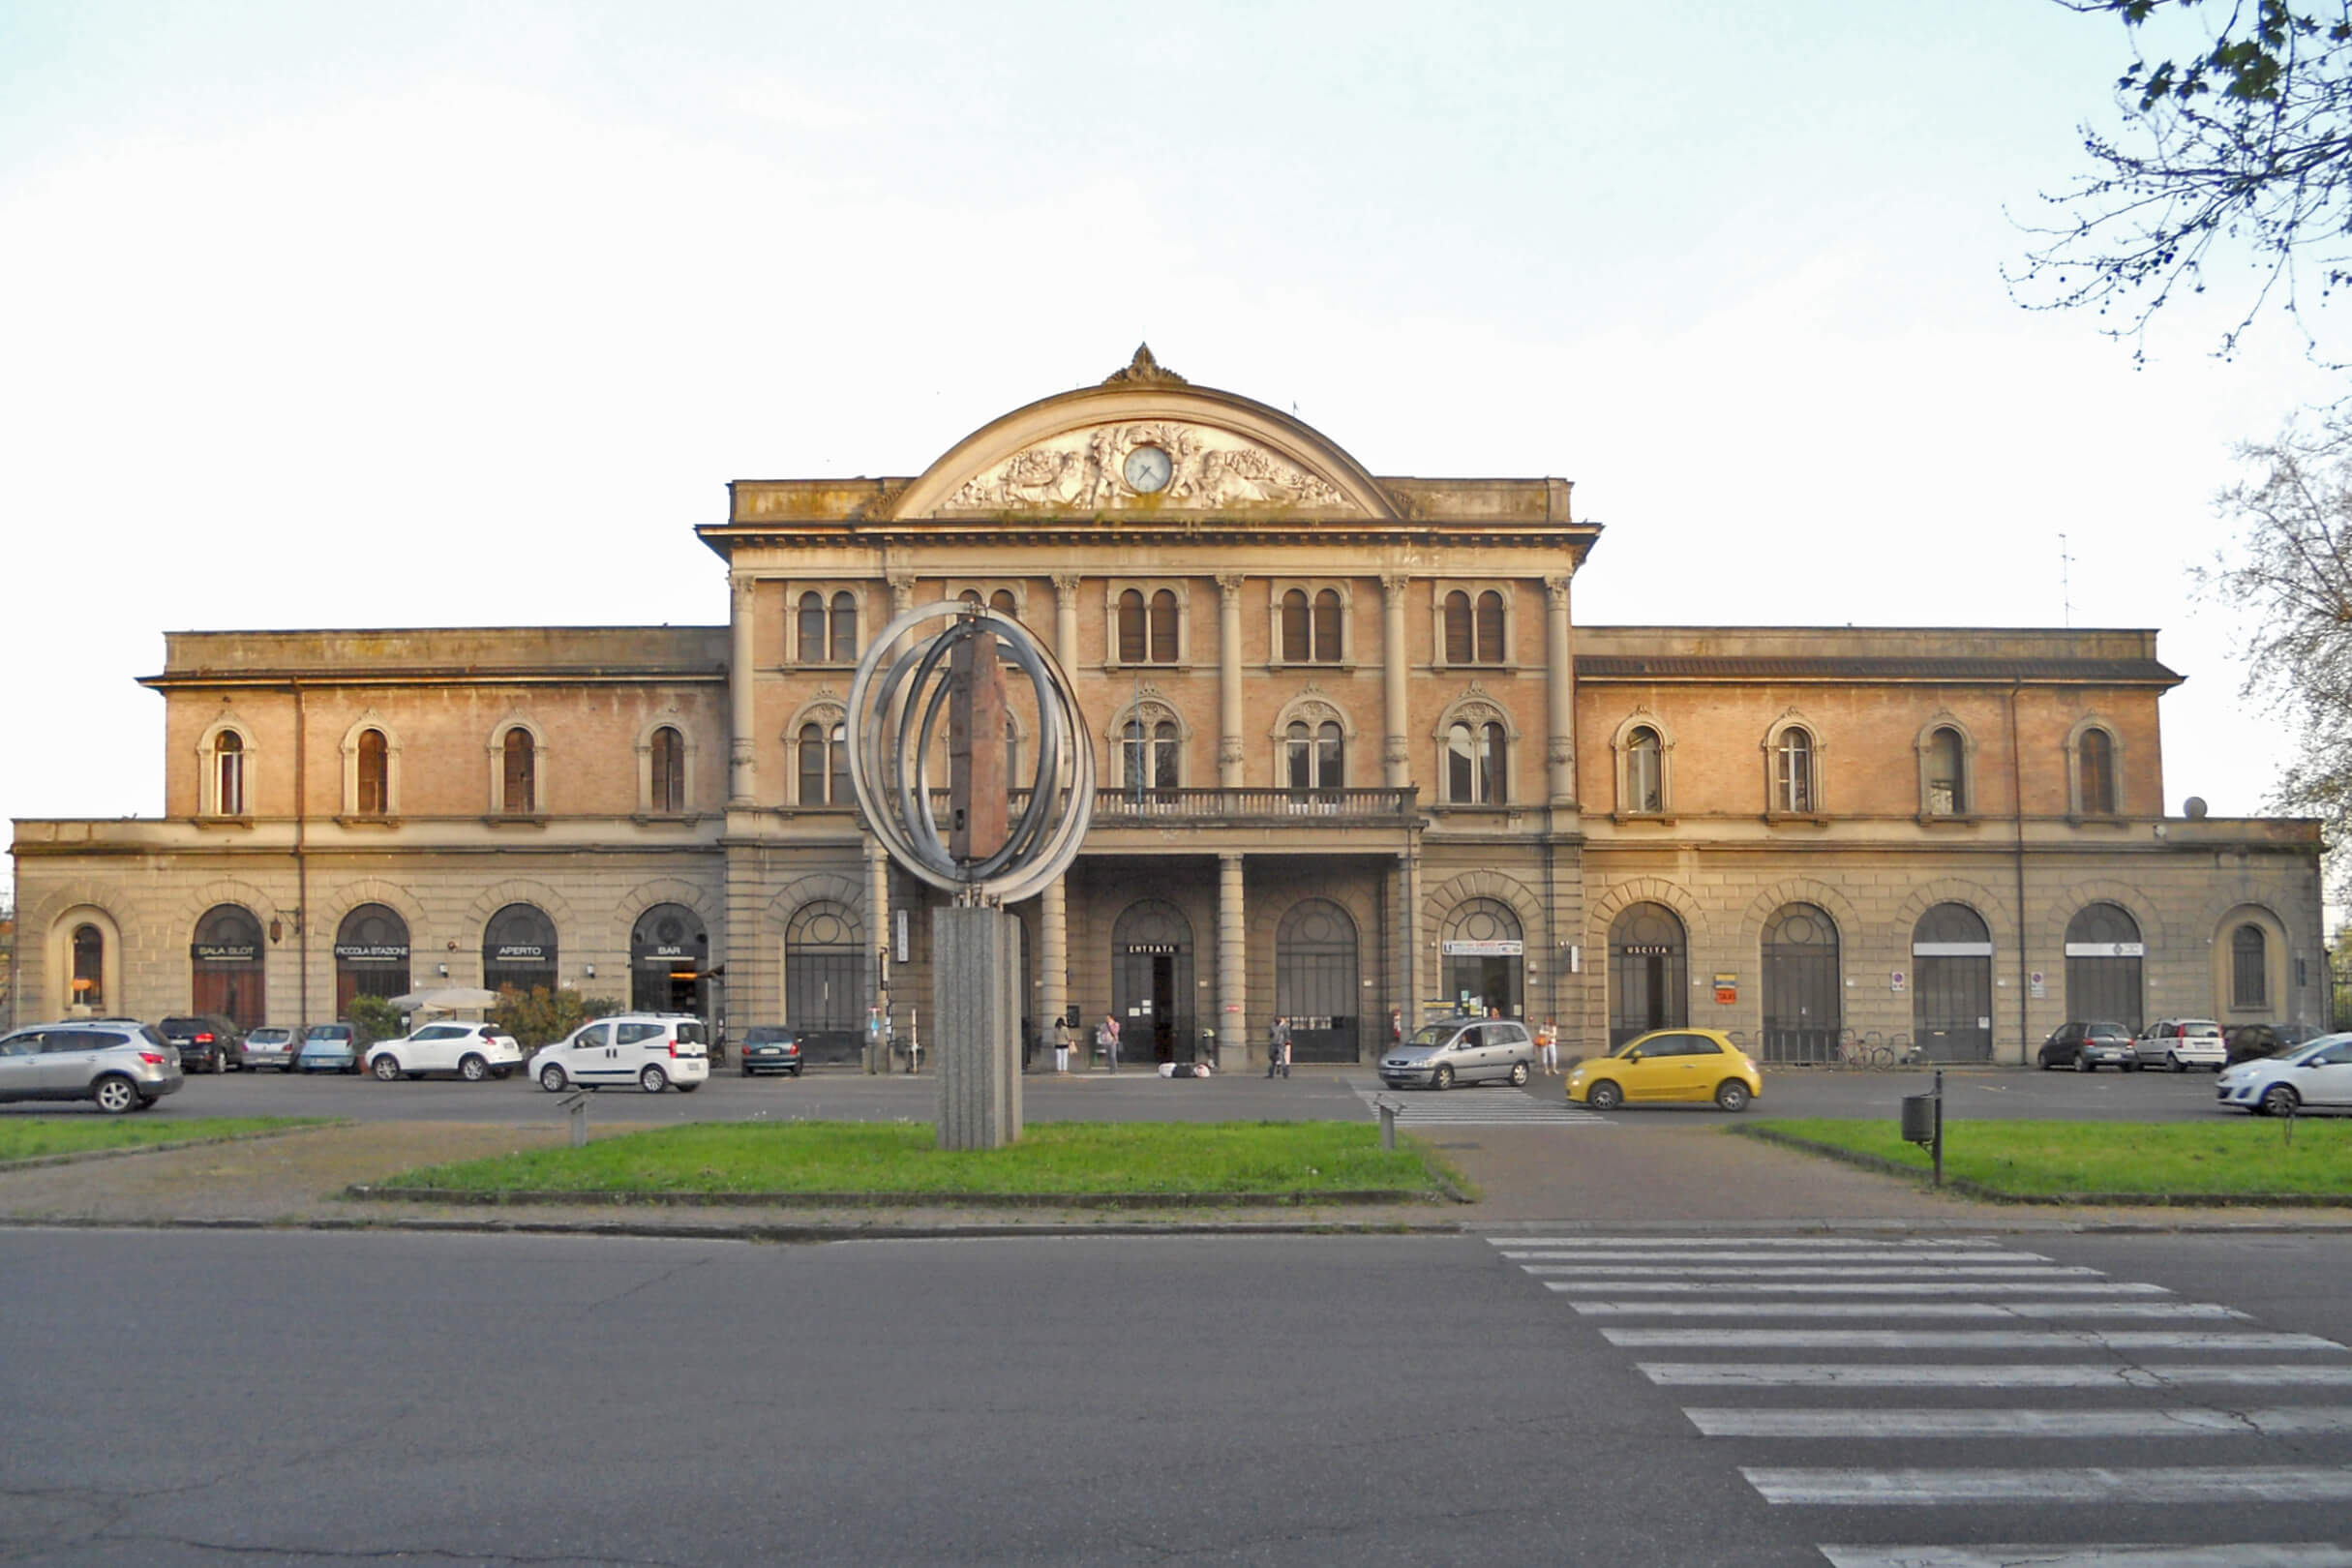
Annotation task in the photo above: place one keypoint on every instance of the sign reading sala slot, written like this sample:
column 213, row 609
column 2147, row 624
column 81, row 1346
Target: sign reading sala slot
column 1501, row 948
column 224, row 952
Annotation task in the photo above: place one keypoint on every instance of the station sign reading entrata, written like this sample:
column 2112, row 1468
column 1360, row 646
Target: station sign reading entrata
column 1507, row 948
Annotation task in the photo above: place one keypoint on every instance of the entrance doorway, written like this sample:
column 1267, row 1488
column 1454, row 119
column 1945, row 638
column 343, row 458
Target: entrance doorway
column 519, row 949
column 1803, row 1001
column 1314, row 982
column 1151, row 983
column 370, row 957
column 2103, row 953
column 1485, row 955
column 224, row 964
column 669, row 962
column 1952, row 1008
column 1649, row 987
column 828, row 981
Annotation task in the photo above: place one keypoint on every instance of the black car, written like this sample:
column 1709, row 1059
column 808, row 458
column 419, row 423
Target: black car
column 2110, row 1046
column 2251, row 1043
column 207, row 1042
column 769, row 1049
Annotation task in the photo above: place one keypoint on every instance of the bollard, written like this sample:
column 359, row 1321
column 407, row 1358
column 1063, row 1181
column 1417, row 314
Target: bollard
column 1388, row 1122
column 576, row 1108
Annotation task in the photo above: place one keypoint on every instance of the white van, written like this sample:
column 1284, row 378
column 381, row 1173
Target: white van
column 651, row 1050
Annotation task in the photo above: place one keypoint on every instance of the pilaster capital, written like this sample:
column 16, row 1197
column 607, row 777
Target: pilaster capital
column 1397, row 750
column 1556, row 591
column 1066, row 583
column 740, row 588
column 902, row 591
column 1563, row 751
column 1228, row 588
column 1392, row 585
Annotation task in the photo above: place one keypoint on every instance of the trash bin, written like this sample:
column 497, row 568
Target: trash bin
column 1918, row 1118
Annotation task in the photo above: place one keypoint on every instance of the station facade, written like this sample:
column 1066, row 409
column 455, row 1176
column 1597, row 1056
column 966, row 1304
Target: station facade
column 1358, row 763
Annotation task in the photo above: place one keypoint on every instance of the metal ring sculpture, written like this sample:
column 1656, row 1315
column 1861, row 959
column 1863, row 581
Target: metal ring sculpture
column 892, row 720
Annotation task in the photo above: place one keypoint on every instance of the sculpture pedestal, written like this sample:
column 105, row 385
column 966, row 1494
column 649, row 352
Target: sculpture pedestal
column 976, row 967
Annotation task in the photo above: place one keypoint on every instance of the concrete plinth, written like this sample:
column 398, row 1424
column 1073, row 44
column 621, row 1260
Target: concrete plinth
column 977, row 986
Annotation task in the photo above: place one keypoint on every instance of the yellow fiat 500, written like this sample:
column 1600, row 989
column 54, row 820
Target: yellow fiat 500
column 1683, row 1066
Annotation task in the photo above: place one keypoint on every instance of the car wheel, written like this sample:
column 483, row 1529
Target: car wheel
column 1732, row 1094
column 1518, row 1075
column 1442, row 1078
column 473, row 1070
column 386, row 1067
column 551, row 1078
column 652, row 1080
column 147, row 1102
column 2082, row 1064
column 1603, row 1095
column 746, row 1071
column 2280, row 1099
column 2178, row 1066
column 501, row 1074
column 796, row 1072
column 2132, row 1064
column 220, row 1063
column 688, row 1087
column 115, row 1094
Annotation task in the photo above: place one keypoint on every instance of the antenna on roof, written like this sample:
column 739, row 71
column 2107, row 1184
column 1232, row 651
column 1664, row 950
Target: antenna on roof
column 2065, row 598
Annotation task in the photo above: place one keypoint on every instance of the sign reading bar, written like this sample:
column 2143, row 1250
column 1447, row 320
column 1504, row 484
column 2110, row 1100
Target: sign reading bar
column 1511, row 948
column 224, row 952
column 372, row 953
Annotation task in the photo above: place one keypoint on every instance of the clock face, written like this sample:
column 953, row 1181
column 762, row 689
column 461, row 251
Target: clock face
column 1148, row 468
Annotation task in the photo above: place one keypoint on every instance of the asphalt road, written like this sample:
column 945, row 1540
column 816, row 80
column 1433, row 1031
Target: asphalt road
column 276, row 1397
column 1320, row 1093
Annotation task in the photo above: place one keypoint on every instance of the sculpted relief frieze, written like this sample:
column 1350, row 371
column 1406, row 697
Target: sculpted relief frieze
column 1149, row 463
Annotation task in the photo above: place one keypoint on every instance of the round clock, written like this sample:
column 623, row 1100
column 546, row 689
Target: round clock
column 1148, row 468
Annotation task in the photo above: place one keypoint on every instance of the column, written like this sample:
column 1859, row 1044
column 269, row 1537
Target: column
column 902, row 600
column 1229, row 773
column 1233, row 975
column 742, row 753
column 1408, row 935
column 1053, row 962
column 878, row 933
column 1560, row 664
column 1396, row 753
column 1066, row 622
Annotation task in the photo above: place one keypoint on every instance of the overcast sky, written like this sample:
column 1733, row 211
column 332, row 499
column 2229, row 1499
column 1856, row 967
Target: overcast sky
column 318, row 314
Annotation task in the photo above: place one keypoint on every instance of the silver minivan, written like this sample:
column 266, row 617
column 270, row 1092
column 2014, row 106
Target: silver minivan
column 1446, row 1051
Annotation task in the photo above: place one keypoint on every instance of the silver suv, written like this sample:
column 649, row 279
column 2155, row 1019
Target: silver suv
column 121, row 1063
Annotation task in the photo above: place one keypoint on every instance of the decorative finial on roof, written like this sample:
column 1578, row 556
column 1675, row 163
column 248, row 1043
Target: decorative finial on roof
column 1144, row 367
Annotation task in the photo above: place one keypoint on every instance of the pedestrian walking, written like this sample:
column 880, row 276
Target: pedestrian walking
column 1548, row 1038
column 1277, row 1047
column 1107, row 1038
column 1060, row 1045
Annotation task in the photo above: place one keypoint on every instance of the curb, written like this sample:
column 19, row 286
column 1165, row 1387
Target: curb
column 1966, row 1187
column 83, row 1157
column 750, row 1232
column 888, row 1200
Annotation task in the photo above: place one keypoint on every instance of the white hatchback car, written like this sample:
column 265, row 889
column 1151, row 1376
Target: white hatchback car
column 2180, row 1043
column 651, row 1050
column 2315, row 1075
column 473, row 1051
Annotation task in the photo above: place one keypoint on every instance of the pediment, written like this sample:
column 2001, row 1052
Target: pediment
column 1144, row 445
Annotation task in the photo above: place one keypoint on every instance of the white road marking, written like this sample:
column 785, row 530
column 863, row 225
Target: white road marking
column 2186, row 1421
column 2015, row 1374
column 1866, row 1287
column 2236, row 1555
column 1819, row 1271
column 2164, row 1484
column 2030, row 1310
column 1788, row 1338
column 1912, row 1255
column 1824, row 1243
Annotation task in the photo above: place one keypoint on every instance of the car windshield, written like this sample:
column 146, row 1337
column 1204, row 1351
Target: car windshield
column 2303, row 1053
column 1429, row 1037
column 441, row 1031
column 2201, row 1026
column 329, row 1032
column 267, row 1036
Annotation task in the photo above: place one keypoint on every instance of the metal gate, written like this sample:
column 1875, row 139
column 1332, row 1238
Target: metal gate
column 1803, row 998
column 828, row 987
column 1648, row 984
column 1951, row 1007
column 1151, row 983
column 2103, row 953
column 1314, row 982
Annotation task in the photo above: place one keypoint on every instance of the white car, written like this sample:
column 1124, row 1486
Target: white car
column 473, row 1051
column 2315, row 1075
column 651, row 1050
column 2180, row 1043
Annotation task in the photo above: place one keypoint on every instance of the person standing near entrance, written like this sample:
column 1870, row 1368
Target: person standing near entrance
column 1548, row 1041
column 1060, row 1045
column 1107, row 1038
column 1277, row 1047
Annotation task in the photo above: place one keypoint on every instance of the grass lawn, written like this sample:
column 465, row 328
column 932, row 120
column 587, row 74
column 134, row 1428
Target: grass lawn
column 2221, row 1158
column 1138, row 1159
column 31, row 1136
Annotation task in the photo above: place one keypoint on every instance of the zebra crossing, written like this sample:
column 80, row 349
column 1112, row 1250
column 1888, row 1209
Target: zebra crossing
column 1797, row 1343
column 1478, row 1105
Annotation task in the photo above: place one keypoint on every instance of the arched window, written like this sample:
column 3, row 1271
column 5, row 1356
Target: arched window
column 2094, row 762
column 1459, row 642
column 970, row 596
column 2104, row 955
column 1164, row 627
column 1327, row 638
column 838, row 736
column 1803, row 1005
column 228, row 762
column 1012, row 755
column 669, row 771
column 1298, row 638
column 813, row 771
column 812, row 629
column 375, row 794
column 1645, row 773
column 1151, row 753
column 1132, row 642
column 1484, row 949
column 1648, row 957
column 824, row 759
column 226, row 971
column 89, row 985
column 2250, row 966
column 827, row 976
column 1946, row 785
column 1490, row 627
column 1315, row 757
column 1793, row 775
column 1475, row 763
column 518, row 772
column 845, row 628
column 1004, row 604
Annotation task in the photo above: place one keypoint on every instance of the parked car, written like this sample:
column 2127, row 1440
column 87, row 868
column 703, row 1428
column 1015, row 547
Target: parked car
column 117, row 1064
column 2180, row 1043
column 473, row 1051
column 2315, row 1075
column 651, row 1050
column 769, row 1049
column 1461, row 1049
column 206, row 1042
column 2252, row 1043
column 1668, row 1065
column 269, row 1046
column 2087, row 1045
column 328, row 1047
